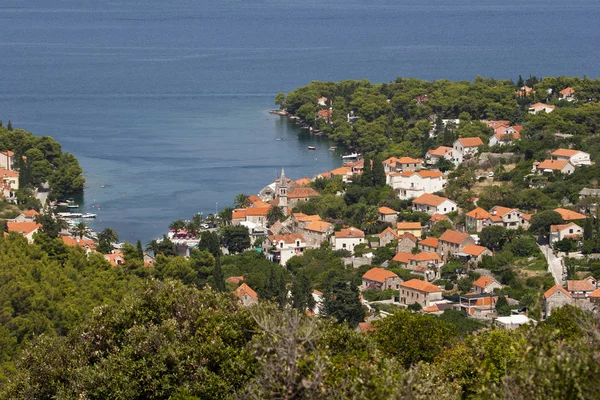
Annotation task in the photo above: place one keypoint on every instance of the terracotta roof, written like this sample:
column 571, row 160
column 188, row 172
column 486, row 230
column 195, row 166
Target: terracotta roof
column 340, row 171
column 302, row 192
column 391, row 161
column 567, row 91
column 430, row 242
column 30, row 213
column 526, row 217
column 440, row 151
column 569, row 215
column 24, row 228
column 438, row 217
column 235, row 279
column 307, row 218
column 244, row 289
column 595, row 293
column 239, row 213
column 83, row 243
column 257, row 211
column 8, row 173
column 429, row 199
column 556, row 165
column 421, row 286
column 409, row 160
column 408, row 235
column 540, row 105
column 495, row 218
column 408, row 225
column 431, row 309
column 494, row 124
column 473, row 250
column 455, row 237
column 365, row 327
column 115, row 258
column 387, row 211
column 478, row 213
column 387, row 230
column 324, row 175
column 379, row 275
column 471, row 141
column 484, row 282
column 501, row 211
column 554, row 289
column 351, row 232
column 402, row 257
column 302, row 181
column 581, row 285
column 289, row 238
column 425, row 256
column 557, row 228
column 8, row 153
column 325, row 113
column 318, row 226
column 565, row 152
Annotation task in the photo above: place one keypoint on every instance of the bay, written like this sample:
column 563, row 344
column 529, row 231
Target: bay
column 165, row 103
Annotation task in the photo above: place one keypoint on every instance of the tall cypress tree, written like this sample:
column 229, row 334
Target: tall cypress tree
column 378, row 173
column 218, row 279
column 302, row 292
column 366, row 179
column 140, row 250
column 588, row 228
column 9, row 126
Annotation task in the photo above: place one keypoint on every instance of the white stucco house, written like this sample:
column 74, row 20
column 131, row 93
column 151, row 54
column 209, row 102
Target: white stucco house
column 432, row 156
column 432, row 204
column 280, row 248
column 411, row 184
column 541, row 107
column 347, row 239
column 575, row 157
column 565, row 231
column 553, row 166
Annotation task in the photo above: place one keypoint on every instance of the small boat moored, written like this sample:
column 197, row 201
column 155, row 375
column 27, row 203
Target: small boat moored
column 333, row 148
column 88, row 215
column 312, row 148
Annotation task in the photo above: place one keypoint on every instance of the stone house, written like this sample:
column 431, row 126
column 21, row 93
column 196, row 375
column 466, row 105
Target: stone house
column 387, row 236
column 465, row 148
column 388, row 215
column 509, row 218
column 555, row 297
column 406, row 243
column 474, row 253
column 280, row 248
column 581, row 289
column 403, row 258
column 416, row 291
column 410, row 164
column 316, row 232
column 429, row 244
column 246, row 295
column 452, row 242
column 299, row 195
column 476, row 219
column 380, row 279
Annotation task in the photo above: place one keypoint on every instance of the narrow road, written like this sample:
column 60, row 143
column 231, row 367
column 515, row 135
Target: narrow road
column 555, row 266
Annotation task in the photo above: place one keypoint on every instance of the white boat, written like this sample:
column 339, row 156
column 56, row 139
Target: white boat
column 351, row 156
column 88, row 215
column 278, row 139
column 312, row 148
column 69, row 215
column 333, row 148
column 72, row 205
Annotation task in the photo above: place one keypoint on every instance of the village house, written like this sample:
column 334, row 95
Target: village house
column 577, row 158
column 586, row 193
column 316, row 232
column 509, row 218
column 86, row 244
column 300, row 194
column 416, row 291
column 402, row 258
column 594, row 298
column 347, row 239
column 541, row 107
column 581, row 289
column 465, row 148
column 415, row 183
column 409, row 164
column 380, row 279
column 473, row 253
column 388, row 215
column 486, row 284
column 569, row 215
column 26, row 229
column 7, row 160
column 525, row 91
column 452, row 242
column 115, row 258
column 414, row 228
column 10, row 182
column 280, row 248
column 555, row 297
column 406, row 242
column 476, row 219
column 553, row 166
column 432, row 204
column 387, row 236
column 429, row 244
column 589, row 200
column 26, row 216
column 567, row 94
column 435, row 218
column 478, row 305
column 565, row 231
column 246, row 295
column 505, row 135
column 432, row 157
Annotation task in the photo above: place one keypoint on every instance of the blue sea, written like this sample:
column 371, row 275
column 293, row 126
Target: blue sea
column 165, row 102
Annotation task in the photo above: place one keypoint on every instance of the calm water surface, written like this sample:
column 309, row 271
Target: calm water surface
column 165, row 103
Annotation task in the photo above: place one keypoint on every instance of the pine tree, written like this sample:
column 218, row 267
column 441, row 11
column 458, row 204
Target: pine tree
column 520, row 82
column 218, row 279
column 1, row 125
column 9, row 126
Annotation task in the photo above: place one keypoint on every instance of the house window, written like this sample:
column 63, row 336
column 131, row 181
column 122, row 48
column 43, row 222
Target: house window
column 344, row 245
column 281, row 245
column 570, row 230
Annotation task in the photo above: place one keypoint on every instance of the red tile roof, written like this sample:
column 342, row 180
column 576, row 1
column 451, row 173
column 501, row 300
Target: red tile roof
column 379, row 275
column 429, row 199
column 425, row 256
column 478, row 213
column 402, row 257
column 24, row 228
column 387, row 211
column 387, row 230
column 430, row 242
column 580, row 285
column 455, row 237
column 471, row 141
column 554, row 289
column 244, row 289
column 302, row 192
column 473, row 250
column 318, row 226
column 440, row 151
column 484, row 282
column 421, row 286
column 408, row 225
column 438, row 217
column 555, row 165
column 351, row 232
column 257, row 211
column 569, row 215
column 288, row 239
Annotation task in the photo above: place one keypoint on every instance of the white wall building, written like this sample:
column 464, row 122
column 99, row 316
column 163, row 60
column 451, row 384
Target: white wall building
column 409, row 184
column 432, row 204
column 347, row 239
column 575, row 157
column 464, row 148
